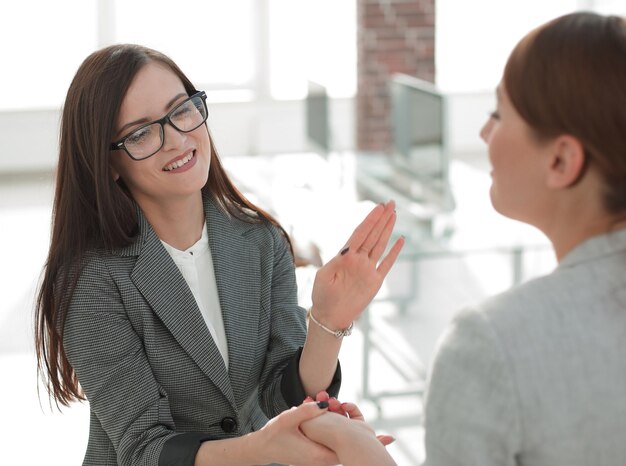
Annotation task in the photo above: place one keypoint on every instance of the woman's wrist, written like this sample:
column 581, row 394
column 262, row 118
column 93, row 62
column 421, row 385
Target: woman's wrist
column 239, row 451
column 338, row 329
column 336, row 432
column 254, row 450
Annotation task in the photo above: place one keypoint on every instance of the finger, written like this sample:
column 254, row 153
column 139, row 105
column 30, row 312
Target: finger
column 381, row 244
column 353, row 411
column 385, row 266
column 373, row 236
column 322, row 396
column 386, row 439
column 360, row 232
column 335, row 406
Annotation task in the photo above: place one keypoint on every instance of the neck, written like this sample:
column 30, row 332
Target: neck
column 178, row 222
column 574, row 214
column 565, row 236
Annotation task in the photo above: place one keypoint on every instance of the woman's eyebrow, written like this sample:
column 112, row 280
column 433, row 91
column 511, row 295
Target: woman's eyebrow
column 145, row 120
column 176, row 97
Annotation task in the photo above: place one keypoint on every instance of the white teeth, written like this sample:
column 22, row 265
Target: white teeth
column 178, row 163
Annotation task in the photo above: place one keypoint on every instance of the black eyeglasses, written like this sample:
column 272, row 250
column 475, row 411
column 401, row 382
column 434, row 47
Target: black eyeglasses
column 148, row 139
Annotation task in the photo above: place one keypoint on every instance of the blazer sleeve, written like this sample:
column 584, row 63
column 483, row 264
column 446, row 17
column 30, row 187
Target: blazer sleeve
column 109, row 360
column 471, row 408
column 280, row 384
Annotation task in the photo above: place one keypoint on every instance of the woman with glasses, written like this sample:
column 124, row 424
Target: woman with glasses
column 168, row 300
column 536, row 376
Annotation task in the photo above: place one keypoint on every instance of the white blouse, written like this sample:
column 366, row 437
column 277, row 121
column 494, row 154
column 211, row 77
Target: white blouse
column 196, row 266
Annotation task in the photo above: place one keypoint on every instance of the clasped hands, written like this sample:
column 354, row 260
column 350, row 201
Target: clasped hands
column 321, row 432
column 317, row 427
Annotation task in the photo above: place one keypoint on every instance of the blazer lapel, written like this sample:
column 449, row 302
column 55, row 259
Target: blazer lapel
column 237, row 271
column 163, row 286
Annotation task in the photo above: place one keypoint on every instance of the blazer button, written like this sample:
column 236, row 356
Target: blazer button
column 228, row 425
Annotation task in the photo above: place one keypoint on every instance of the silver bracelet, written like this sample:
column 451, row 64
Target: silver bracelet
column 344, row 332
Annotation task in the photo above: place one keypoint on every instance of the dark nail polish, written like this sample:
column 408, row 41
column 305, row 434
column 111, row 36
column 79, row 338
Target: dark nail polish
column 344, row 251
column 322, row 404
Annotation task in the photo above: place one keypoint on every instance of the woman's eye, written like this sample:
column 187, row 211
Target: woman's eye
column 182, row 111
column 494, row 115
column 139, row 135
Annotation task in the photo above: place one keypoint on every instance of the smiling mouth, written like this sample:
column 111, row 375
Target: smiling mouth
column 180, row 162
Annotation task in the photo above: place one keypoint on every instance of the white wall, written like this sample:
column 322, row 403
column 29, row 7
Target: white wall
column 466, row 114
column 28, row 140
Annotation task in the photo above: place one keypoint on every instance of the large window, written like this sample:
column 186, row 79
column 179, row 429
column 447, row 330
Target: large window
column 235, row 49
column 42, row 43
column 214, row 42
column 251, row 49
column 474, row 38
column 312, row 40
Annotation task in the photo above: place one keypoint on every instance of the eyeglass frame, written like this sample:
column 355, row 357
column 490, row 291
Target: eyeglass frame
column 120, row 144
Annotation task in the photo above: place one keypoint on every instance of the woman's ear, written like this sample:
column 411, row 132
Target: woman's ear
column 567, row 162
column 114, row 173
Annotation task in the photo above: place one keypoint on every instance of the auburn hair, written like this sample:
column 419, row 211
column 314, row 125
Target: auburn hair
column 568, row 76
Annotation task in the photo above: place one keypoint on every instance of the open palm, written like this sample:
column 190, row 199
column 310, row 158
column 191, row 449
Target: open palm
column 345, row 285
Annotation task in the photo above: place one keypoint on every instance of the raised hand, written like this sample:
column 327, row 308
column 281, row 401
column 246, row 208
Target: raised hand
column 346, row 284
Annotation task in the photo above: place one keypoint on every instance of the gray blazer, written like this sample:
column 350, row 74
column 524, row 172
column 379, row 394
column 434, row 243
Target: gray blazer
column 537, row 375
column 156, row 383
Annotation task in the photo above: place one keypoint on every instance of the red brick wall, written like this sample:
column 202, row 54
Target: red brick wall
column 394, row 36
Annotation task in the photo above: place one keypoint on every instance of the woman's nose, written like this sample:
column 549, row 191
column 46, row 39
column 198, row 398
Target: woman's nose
column 172, row 137
column 486, row 130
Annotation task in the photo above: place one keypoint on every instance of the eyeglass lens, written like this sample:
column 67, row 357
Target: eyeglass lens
column 147, row 140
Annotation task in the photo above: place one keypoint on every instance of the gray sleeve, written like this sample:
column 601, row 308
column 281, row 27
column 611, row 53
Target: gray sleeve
column 471, row 408
column 113, row 370
column 280, row 384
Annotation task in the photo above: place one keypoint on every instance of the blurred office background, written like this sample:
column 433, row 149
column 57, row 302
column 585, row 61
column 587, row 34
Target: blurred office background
column 319, row 108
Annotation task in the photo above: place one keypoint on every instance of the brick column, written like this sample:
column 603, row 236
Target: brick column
column 394, row 36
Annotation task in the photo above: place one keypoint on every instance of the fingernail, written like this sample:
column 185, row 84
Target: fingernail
column 345, row 250
column 322, row 404
column 307, row 399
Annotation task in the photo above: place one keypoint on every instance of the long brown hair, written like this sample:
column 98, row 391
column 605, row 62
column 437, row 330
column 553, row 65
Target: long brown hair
column 90, row 209
column 569, row 77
